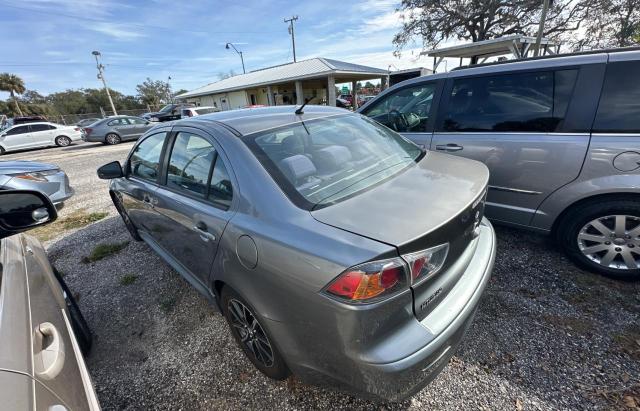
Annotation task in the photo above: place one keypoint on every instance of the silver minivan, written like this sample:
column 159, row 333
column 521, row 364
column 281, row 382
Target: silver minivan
column 561, row 138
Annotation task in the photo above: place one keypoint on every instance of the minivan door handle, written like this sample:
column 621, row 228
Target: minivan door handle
column 49, row 352
column 201, row 229
column 449, row 147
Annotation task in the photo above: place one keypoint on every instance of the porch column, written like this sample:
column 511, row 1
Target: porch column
column 331, row 91
column 384, row 82
column 354, row 97
column 270, row 96
column 299, row 93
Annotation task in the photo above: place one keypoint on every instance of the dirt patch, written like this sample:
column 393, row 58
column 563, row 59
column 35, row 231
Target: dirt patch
column 75, row 220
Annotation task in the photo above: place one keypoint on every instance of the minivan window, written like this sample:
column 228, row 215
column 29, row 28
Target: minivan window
column 145, row 159
column 319, row 162
column 406, row 110
column 517, row 102
column 189, row 164
column 619, row 108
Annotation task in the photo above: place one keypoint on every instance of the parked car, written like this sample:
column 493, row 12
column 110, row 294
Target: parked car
column 30, row 175
column 29, row 119
column 87, row 121
column 342, row 103
column 347, row 97
column 561, row 136
column 167, row 113
column 32, row 135
column 198, row 111
column 335, row 248
column 116, row 129
column 43, row 335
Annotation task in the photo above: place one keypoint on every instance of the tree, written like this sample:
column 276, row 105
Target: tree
column 177, row 93
column 435, row 21
column 222, row 75
column 615, row 23
column 153, row 92
column 14, row 85
column 32, row 97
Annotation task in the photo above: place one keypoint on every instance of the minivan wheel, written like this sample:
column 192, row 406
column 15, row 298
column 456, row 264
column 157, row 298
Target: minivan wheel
column 605, row 238
column 63, row 141
column 248, row 331
column 112, row 139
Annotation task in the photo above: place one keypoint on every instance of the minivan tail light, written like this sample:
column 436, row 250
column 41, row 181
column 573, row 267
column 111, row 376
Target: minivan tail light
column 426, row 263
column 370, row 282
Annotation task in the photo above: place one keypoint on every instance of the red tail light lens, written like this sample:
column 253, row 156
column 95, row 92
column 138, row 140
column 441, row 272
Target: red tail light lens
column 426, row 263
column 87, row 130
column 370, row 282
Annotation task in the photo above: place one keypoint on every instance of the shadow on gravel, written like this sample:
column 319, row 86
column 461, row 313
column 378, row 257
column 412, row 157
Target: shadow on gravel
column 544, row 337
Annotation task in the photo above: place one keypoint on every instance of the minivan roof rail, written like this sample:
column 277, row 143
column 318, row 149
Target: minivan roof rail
column 576, row 53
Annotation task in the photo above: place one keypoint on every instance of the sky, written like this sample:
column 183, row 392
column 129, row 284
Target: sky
column 48, row 43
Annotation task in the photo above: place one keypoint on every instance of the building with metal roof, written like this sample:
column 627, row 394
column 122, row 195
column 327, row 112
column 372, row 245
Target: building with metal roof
column 291, row 83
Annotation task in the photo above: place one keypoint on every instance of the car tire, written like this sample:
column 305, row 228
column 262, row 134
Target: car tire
column 2, row 151
column 604, row 237
column 253, row 338
column 112, row 139
column 80, row 327
column 125, row 218
column 62, row 141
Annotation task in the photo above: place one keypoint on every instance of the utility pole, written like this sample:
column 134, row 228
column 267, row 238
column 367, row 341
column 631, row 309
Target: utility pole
column 543, row 17
column 293, row 36
column 104, row 82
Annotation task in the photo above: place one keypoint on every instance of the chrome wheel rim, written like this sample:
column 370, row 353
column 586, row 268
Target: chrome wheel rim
column 251, row 334
column 612, row 241
column 112, row 139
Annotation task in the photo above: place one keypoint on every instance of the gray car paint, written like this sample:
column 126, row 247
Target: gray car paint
column 535, row 177
column 280, row 257
column 100, row 129
column 56, row 187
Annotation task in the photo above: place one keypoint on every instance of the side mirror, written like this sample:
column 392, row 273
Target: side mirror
column 21, row 210
column 110, row 171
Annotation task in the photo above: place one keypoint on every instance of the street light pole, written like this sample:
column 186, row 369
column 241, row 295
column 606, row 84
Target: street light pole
column 104, row 82
column 239, row 52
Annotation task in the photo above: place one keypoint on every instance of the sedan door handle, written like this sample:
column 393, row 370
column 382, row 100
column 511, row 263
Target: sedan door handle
column 201, row 229
column 449, row 147
column 148, row 201
column 49, row 351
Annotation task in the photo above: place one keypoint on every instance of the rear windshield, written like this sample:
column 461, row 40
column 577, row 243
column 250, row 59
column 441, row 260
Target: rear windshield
column 321, row 161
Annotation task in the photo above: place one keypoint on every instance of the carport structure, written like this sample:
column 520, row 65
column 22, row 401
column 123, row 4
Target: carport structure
column 290, row 83
column 518, row 46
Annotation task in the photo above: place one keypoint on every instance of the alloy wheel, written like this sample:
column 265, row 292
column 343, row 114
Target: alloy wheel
column 112, row 139
column 251, row 333
column 612, row 241
column 63, row 141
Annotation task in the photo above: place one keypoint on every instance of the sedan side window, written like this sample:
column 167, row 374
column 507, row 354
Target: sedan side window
column 39, row 127
column 220, row 189
column 190, row 163
column 406, row 110
column 145, row 159
column 137, row 121
column 117, row 122
column 18, row 130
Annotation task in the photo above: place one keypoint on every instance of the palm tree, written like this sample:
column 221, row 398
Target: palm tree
column 14, row 85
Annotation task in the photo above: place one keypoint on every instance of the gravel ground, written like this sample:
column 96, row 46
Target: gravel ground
column 547, row 335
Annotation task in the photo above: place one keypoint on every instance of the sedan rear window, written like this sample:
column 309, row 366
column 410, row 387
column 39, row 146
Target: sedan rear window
column 321, row 161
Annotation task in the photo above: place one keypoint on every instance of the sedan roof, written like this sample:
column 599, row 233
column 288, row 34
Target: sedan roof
column 252, row 120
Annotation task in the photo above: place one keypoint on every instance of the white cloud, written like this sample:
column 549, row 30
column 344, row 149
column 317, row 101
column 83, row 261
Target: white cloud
column 114, row 31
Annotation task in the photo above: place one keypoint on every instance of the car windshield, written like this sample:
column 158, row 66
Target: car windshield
column 321, row 161
column 167, row 108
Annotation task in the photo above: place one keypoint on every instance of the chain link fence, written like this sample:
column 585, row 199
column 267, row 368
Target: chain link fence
column 70, row 119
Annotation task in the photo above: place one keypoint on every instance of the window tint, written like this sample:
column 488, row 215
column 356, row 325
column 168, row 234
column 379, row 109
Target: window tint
column 18, row 130
column 145, row 159
column 406, row 110
column 619, row 108
column 535, row 102
column 39, row 127
column 189, row 164
column 220, row 190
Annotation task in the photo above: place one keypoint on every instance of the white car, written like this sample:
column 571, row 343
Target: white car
column 41, row 134
column 197, row 111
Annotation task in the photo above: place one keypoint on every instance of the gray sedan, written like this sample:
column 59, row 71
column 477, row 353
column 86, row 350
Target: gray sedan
column 115, row 129
column 335, row 248
column 30, row 175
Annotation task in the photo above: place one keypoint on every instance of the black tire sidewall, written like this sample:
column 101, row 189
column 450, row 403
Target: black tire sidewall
column 577, row 218
column 279, row 370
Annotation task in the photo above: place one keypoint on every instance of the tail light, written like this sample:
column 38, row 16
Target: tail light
column 370, row 282
column 77, row 129
column 87, row 130
column 426, row 263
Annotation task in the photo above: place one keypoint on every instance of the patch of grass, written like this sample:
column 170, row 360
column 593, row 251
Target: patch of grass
column 167, row 304
column 104, row 250
column 128, row 279
column 577, row 325
column 76, row 219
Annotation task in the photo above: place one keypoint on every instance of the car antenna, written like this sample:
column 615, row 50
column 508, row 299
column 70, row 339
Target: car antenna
column 299, row 110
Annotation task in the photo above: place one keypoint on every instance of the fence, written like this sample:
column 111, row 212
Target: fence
column 69, row 119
